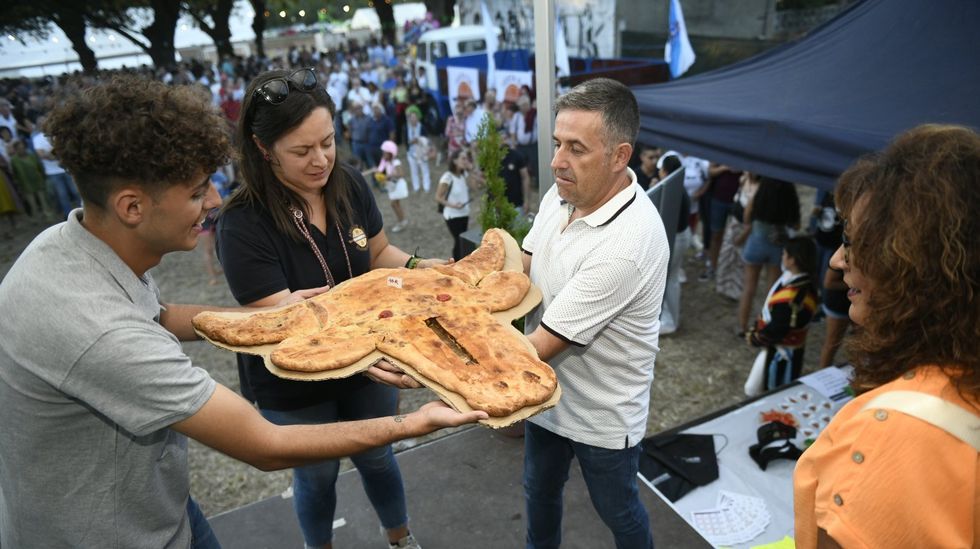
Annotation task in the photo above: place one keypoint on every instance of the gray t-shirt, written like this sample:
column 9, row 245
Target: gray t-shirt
column 89, row 384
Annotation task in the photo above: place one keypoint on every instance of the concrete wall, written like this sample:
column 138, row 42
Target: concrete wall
column 722, row 32
column 590, row 25
column 727, row 19
column 744, row 19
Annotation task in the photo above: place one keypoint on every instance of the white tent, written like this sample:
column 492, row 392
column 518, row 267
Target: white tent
column 367, row 18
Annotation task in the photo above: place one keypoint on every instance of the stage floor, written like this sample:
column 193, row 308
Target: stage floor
column 464, row 490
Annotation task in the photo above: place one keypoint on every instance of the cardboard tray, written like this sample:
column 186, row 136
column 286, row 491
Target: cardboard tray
column 512, row 262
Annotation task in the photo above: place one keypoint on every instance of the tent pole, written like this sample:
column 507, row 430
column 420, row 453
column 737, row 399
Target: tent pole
column 544, row 83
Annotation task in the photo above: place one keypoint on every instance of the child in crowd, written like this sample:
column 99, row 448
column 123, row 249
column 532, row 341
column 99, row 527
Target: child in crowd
column 782, row 325
column 29, row 175
column 390, row 174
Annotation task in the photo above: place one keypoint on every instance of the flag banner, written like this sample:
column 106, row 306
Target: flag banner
column 508, row 84
column 678, row 52
column 463, row 82
column 561, row 50
column 491, row 31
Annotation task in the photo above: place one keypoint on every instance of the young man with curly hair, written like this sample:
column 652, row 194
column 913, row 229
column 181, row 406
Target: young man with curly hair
column 98, row 395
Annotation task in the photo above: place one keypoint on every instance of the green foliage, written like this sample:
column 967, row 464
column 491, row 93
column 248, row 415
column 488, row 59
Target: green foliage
column 497, row 211
column 25, row 18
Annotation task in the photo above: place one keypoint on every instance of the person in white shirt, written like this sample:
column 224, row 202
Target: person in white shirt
column 360, row 94
column 59, row 182
column 696, row 184
column 337, row 84
column 512, row 119
column 7, row 118
column 598, row 252
column 474, row 117
column 526, row 133
column 418, row 150
column 453, row 196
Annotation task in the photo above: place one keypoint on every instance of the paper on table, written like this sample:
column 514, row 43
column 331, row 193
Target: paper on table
column 832, row 382
column 736, row 518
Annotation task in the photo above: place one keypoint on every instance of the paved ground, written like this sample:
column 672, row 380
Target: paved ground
column 700, row 368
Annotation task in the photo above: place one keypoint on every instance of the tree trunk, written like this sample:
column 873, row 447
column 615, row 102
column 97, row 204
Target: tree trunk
column 73, row 25
column 160, row 33
column 258, row 26
column 222, row 30
column 386, row 14
column 220, row 33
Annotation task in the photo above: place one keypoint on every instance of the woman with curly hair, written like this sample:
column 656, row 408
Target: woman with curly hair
column 897, row 466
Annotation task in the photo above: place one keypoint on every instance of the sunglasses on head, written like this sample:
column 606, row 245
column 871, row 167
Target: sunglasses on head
column 276, row 90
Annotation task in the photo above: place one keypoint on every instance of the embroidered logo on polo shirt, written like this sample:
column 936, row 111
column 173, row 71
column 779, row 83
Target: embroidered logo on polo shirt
column 358, row 237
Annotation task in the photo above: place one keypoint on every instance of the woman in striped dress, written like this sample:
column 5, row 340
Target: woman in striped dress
column 730, row 272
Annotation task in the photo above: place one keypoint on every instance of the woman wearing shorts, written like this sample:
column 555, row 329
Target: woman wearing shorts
column 774, row 209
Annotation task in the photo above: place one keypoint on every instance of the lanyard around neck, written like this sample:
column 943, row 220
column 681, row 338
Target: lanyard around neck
column 298, row 220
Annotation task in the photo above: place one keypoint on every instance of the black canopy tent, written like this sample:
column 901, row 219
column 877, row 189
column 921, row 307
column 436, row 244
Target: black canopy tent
column 805, row 111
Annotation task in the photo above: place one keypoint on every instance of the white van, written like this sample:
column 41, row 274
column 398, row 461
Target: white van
column 447, row 42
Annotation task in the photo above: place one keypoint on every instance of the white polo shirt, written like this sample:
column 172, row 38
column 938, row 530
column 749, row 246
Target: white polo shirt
column 603, row 279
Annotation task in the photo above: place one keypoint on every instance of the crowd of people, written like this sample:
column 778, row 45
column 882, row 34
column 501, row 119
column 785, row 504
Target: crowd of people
column 380, row 99
column 315, row 135
column 742, row 225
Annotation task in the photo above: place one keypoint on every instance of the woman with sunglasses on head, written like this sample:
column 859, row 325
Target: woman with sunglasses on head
column 302, row 220
column 898, row 466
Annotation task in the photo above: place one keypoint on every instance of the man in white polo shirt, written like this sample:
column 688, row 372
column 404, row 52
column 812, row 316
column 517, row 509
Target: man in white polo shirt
column 599, row 253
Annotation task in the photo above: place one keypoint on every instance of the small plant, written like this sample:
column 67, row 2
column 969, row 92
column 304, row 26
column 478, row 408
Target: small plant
column 497, row 211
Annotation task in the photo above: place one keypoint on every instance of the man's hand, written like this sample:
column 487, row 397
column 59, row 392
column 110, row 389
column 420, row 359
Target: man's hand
column 438, row 415
column 389, row 374
column 300, row 295
column 432, row 262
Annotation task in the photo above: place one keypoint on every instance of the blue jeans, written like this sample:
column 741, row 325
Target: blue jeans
column 64, row 191
column 202, row 537
column 610, row 476
column 373, row 154
column 718, row 214
column 360, row 151
column 314, row 486
column 759, row 250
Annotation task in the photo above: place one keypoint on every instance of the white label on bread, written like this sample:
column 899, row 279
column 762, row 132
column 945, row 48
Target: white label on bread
column 395, row 282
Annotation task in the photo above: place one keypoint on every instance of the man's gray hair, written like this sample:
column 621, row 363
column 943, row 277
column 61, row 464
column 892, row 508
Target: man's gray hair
column 613, row 100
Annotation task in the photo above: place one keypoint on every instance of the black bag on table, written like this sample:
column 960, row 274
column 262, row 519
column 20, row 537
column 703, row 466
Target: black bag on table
column 678, row 463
